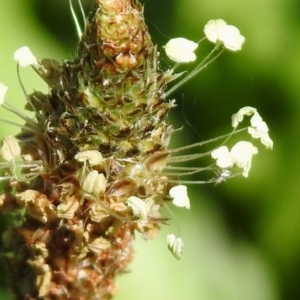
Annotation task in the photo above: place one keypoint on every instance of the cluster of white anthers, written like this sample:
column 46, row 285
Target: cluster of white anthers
column 241, row 153
column 216, row 31
column 240, row 156
column 180, row 50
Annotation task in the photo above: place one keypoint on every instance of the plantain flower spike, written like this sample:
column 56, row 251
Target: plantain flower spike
column 94, row 165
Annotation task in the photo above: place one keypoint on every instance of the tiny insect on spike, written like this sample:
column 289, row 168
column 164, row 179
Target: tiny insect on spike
column 222, row 176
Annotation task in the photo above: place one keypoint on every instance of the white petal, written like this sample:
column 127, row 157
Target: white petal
column 152, row 204
column 259, row 129
column 266, row 140
column 138, row 207
column 256, row 120
column 242, row 153
column 223, row 157
column 180, row 196
column 175, row 245
column 25, row 57
column 94, row 157
column 263, row 136
column 3, row 90
column 94, row 183
column 100, row 185
column 67, row 209
column 217, row 31
column 89, row 182
column 254, row 133
column 238, row 117
column 257, row 132
column 10, row 148
column 231, row 38
column 213, row 28
column 181, row 50
column 258, row 123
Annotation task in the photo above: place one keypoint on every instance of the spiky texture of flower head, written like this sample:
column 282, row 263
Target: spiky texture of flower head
column 107, row 105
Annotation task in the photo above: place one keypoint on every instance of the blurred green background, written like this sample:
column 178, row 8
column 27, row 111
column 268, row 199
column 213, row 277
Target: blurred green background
column 242, row 238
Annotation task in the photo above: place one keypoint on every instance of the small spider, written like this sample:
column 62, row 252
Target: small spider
column 221, row 176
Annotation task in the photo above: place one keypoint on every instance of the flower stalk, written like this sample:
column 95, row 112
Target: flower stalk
column 94, row 165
